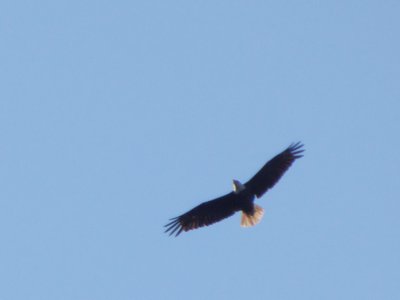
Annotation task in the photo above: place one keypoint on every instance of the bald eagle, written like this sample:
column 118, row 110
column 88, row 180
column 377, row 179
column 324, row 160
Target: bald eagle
column 240, row 199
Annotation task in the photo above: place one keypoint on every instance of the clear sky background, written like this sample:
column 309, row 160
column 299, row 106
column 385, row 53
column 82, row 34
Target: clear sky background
column 118, row 115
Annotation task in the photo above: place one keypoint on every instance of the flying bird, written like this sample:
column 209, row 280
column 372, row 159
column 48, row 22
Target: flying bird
column 241, row 198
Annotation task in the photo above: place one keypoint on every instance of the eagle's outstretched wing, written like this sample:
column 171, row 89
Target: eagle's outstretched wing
column 273, row 170
column 204, row 214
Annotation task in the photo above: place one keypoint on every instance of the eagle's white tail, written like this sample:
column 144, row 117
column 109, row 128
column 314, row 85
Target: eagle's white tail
column 251, row 220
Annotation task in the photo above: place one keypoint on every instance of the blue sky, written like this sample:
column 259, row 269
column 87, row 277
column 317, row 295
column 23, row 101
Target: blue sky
column 116, row 116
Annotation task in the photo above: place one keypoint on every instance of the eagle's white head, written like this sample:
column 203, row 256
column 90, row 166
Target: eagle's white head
column 238, row 186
